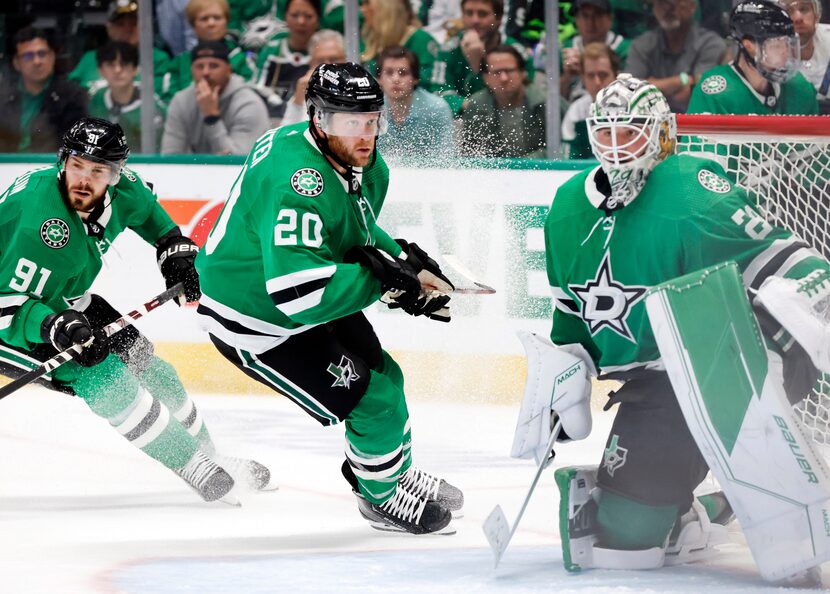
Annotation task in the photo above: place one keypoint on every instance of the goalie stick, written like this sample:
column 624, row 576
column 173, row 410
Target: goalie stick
column 496, row 528
column 174, row 292
column 467, row 285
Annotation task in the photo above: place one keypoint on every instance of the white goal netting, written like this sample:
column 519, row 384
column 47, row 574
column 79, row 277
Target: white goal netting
column 783, row 163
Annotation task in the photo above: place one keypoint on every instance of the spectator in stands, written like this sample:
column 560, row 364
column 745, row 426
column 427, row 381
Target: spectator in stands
column 42, row 105
column 217, row 114
column 173, row 27
column 122, row 25
column 599, row 65
column 420, row 124
column 457, row 74
column 593, row 21
column 120, row 101
column 815, row 44
column 325, row 47
column 392, row 22
column 441, row 18
column 285, row 58
column 209, row 19
column 507, row 118
column 673, row 56
column 763, row 79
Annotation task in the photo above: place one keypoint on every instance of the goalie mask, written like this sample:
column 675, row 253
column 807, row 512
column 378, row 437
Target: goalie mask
column 631, row 129
column 768, row 25
column 96, row 140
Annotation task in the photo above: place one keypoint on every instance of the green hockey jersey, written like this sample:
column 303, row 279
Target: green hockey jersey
column 723, row 91
column 49, row 256
column 273, row 264
column 688, row 216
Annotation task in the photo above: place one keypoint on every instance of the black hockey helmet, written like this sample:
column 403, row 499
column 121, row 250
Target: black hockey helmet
column 758, row 20
column 346, row 87
column 95, row 139
column 769, row 26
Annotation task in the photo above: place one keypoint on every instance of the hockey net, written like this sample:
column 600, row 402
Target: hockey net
column 783, row 163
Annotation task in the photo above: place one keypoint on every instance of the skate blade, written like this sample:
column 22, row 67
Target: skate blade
column 447, row 530
column 230, row 499
column 457, row 514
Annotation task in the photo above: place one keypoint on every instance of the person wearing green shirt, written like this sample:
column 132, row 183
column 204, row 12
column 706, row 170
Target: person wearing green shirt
column 122, row 25
column 293, row 260
column 120, row 101
column 457, row 72
column 57, row 223
column 209, row 19
column 285, row 58
column 388, row 23
column 764, row 78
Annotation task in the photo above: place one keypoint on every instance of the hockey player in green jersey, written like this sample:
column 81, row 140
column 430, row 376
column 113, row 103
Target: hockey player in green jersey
column 57, row 222
column 642, row 217
column 294, row 258
column 764, row 78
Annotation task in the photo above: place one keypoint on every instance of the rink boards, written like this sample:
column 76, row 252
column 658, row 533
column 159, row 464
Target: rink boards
column 491, row 218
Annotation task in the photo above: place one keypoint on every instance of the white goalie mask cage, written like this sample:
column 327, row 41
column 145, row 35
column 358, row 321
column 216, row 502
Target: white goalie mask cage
column 630, row 129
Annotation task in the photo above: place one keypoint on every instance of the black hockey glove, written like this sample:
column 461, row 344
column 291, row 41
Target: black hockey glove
column 429, row 273
column 62, row 330
column 398, row 282
column 176, row 255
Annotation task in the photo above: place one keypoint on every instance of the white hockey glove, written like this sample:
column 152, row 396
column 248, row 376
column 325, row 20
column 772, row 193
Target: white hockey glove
column 802, row 307
column 558, row 385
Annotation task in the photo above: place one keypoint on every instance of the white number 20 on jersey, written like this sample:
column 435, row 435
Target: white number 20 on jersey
column 309, row 232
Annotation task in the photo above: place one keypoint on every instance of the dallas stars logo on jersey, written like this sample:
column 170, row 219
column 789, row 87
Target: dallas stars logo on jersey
column 344, row 373
column 307, row 182
column 54, row 233
column 606, row 303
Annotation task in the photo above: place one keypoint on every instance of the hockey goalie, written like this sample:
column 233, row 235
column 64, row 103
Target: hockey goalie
column 712, row 357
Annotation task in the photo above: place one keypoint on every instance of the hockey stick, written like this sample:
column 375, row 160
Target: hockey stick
column 496, row 528
column 469, row 286
column 174, row 292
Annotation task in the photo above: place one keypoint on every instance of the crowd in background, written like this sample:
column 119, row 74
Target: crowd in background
column 462, row 78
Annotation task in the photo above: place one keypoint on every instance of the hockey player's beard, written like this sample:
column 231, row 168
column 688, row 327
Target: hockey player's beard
column 357, row 153
column 82, row 198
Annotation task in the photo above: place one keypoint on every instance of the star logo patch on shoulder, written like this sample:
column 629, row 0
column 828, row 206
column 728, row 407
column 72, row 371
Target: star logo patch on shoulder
column 54, row 233
column 307, row 182
column 606, row 303
column 713, row 182
column 712, row 85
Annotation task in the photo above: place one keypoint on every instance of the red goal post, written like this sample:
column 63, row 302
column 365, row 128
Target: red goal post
column 783, row 163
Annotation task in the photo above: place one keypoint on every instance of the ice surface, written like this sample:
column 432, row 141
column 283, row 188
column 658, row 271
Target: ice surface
column 81, row 511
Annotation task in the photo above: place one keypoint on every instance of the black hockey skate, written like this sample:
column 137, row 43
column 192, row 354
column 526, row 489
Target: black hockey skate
column 249, row 472
column 208, row 479
column 403, row 512
column 427, row 486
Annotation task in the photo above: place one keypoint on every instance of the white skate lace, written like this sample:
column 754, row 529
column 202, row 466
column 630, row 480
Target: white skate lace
column 197, row 470
column 405, row 505
column 421, row 483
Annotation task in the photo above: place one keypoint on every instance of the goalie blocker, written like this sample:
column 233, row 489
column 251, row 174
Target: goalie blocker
column 730, row 390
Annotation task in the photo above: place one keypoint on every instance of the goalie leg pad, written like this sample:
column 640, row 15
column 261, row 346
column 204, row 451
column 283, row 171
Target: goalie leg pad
column 734, row 404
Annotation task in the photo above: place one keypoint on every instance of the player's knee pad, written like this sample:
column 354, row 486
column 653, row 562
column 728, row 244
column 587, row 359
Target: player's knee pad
column 390, row 368
column 382, row 404
column 128, row 344
column 108, row 388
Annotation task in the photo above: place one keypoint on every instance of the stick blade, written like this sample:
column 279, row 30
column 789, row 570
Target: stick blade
column 497, row 531
column 465, row 283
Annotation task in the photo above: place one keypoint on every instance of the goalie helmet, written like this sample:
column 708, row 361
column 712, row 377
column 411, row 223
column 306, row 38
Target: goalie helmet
column 769, row 26
column 96, row 140
column 631, row 129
